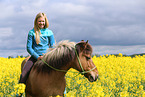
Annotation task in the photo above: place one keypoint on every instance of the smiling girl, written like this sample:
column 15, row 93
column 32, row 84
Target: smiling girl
column 40, row 38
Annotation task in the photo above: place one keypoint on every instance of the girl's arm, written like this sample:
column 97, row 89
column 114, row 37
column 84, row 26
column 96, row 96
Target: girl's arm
column 29, row 47
column 51, row 41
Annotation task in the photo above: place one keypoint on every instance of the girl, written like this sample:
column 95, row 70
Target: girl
column 40, row 38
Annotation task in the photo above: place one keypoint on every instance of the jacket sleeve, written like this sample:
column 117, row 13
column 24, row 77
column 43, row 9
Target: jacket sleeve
column 51, row 41
column 30, row 50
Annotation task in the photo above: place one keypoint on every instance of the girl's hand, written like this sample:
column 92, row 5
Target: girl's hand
column 40, row 57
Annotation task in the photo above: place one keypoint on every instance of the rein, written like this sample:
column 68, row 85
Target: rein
column 71, row 71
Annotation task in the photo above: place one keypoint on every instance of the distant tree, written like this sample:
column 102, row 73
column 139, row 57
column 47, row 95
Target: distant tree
column 27, row 56
column 10, row 57
column 97, row 55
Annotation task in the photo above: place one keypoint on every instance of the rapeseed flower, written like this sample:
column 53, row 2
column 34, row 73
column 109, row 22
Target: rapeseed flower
column 118, row 77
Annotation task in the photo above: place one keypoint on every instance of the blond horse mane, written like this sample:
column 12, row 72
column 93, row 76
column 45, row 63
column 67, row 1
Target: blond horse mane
column 59, row 50
column 60, row 55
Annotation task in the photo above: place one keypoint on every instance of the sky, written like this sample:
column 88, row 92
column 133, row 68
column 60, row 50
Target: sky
column 110, row 25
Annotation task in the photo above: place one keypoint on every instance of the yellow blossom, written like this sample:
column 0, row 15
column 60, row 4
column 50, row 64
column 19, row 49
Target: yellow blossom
column 118, row 77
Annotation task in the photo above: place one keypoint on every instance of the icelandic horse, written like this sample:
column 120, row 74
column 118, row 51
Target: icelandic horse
column 47, row 76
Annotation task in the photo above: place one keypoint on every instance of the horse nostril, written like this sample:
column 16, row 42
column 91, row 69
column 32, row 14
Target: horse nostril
column 92, row 79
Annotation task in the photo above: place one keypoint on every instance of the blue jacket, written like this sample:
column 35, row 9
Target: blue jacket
column 46, row 38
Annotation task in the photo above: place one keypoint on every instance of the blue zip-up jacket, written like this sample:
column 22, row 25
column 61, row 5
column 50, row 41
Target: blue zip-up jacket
column 46, row 38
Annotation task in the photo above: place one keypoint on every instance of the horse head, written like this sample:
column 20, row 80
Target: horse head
column 85, row 63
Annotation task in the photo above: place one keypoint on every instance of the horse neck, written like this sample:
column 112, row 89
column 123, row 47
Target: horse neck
column 75, row 64
column 61, row 74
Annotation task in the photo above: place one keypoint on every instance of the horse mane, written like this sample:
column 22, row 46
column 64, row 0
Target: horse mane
column 60, row 55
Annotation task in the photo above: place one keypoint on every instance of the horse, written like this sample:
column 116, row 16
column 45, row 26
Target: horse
column 47, row 76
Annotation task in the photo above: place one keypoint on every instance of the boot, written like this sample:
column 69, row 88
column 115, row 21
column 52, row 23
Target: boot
column 19, row 95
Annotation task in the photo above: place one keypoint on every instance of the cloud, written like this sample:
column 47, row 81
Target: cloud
column 126, row 50
column 5, row 32
column 6, row 11
column 70, row 9
column 102, row 22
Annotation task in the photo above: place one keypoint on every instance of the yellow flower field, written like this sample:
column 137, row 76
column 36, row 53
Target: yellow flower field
column 118, row 77
column 9, row 75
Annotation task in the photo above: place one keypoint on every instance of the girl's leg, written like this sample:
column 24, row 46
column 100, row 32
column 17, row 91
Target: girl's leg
column 26, row 70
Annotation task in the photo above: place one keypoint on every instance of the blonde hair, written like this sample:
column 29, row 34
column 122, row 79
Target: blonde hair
column 37, row 29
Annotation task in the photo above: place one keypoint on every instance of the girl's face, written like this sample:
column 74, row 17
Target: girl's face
column 41, row 22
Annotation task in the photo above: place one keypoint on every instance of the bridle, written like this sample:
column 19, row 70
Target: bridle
column 83, row 72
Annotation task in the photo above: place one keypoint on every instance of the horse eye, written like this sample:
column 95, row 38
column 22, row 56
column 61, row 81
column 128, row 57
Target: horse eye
column 88, row 58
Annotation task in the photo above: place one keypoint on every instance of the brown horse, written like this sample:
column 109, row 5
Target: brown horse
column 47, row 76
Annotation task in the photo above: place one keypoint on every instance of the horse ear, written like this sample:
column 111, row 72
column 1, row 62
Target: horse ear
column 85, row 44
column 87, row 41
column 82, row 45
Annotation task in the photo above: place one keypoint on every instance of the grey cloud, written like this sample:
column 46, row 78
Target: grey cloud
column 102, row 22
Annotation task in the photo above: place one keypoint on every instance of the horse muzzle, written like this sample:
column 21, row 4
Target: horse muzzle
column 91, row 77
